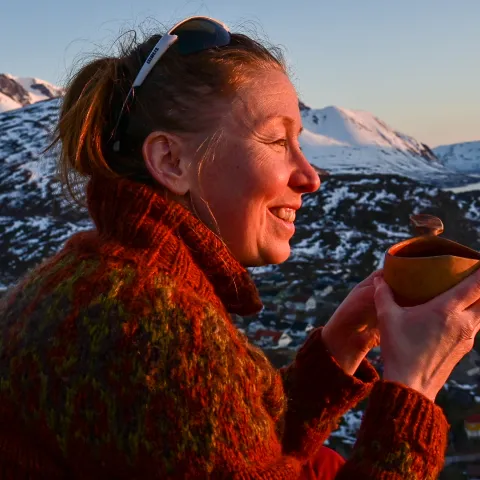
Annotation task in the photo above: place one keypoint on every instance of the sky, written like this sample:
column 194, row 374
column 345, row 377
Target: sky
column 415, row 64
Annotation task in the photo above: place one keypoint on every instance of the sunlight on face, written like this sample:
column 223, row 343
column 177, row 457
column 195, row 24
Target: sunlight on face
column 255, row 182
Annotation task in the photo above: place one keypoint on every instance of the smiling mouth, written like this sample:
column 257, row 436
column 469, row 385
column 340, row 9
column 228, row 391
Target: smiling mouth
column 285, row 214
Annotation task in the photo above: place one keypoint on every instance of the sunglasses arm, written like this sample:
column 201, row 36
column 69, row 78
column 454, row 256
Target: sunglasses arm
column 154, row 56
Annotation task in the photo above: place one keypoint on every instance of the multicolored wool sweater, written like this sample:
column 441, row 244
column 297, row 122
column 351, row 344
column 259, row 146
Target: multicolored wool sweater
column 119, row 360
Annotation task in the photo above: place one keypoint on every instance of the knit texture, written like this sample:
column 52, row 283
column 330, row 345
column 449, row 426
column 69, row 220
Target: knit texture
column 119, row 360
column 388, row 452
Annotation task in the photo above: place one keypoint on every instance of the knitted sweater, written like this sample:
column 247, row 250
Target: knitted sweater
column 119, row 360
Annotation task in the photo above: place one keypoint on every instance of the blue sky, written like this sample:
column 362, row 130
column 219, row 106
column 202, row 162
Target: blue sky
column 413, row 63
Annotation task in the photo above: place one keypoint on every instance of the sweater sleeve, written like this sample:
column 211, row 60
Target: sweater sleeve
column 403, row 436
column 208, row 404
column 319, row 392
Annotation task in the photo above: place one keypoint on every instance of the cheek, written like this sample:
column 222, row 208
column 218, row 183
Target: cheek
column 239, row 188
column 259, row 174
column 235, row 191
column 249, row 187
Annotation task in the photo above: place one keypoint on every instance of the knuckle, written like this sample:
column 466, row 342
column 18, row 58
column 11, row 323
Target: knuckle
column 461, row 329
column 468, row 345
column 467, row 333
column 453, row 324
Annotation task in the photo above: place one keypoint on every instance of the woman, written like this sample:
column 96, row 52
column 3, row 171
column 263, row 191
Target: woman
column 118, row 356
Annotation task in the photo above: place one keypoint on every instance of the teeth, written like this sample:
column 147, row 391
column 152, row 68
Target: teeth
column 287, row 214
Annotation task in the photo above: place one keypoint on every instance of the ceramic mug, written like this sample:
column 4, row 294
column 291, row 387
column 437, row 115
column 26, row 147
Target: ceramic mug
column 425, row 266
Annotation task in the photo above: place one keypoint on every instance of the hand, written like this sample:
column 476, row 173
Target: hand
column 421, row 345
column 351, row 332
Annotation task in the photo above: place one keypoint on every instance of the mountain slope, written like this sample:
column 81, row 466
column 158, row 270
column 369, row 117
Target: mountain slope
column 461, row 157
column 34, row 217
column 360, row 129
column 346, row 141
column 334, row 139
column 7, row 103
column 16, row 92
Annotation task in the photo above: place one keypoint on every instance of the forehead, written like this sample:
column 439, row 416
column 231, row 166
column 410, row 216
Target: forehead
column 269, row 96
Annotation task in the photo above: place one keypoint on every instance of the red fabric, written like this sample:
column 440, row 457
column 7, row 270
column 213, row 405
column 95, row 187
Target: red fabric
column 118, row 359
column 324, row 466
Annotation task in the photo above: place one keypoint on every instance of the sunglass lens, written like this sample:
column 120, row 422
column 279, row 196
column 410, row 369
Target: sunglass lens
column 200, row 34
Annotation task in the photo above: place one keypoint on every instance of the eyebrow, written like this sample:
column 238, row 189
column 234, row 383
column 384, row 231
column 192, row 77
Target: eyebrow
column 286, row 119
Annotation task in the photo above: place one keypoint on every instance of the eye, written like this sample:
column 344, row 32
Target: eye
column 282, row 142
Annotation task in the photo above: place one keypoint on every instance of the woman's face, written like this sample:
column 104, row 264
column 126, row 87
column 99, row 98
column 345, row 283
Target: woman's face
column 249, row 192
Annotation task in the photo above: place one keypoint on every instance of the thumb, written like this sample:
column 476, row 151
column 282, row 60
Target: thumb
column 384, row 302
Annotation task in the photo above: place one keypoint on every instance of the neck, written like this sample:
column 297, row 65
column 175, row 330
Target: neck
column 165, row 233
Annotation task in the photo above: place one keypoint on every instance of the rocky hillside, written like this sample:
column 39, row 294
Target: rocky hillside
column 462, row 157
column 34, row 219
column 16, row 92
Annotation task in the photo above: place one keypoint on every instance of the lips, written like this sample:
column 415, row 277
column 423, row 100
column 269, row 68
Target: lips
column 284, row 213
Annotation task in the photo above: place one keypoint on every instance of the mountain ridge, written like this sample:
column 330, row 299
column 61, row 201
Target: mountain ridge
column 17, row 92
column 345, row 141
column 336, row 140
column 463, row 157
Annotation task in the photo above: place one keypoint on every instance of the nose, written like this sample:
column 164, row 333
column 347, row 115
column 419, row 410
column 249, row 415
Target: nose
column 304, row 178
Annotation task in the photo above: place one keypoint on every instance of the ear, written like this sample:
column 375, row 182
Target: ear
column 162, row 153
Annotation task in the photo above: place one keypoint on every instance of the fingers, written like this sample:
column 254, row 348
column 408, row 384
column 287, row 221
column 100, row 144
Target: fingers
column 463, row 295
column 375, row 274
column 369, row 280
column 383, row 297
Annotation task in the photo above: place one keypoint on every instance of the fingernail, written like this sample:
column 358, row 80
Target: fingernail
column 376, row 281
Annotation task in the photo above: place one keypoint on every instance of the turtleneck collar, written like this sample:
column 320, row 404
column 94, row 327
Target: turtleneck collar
column 139, row 217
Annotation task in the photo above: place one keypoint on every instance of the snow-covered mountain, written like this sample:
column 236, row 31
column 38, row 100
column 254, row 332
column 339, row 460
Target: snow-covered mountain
column 339, row 126
column 16, row 92
column 461, row 157
column 357, row 142
column 336, row 140
column 33, row 214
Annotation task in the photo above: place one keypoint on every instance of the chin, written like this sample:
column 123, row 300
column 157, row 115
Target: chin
column 269, row 256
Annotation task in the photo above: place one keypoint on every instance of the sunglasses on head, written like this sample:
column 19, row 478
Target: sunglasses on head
column 191, row 35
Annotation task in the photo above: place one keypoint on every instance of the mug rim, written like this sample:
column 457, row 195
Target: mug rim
column 470, row 253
